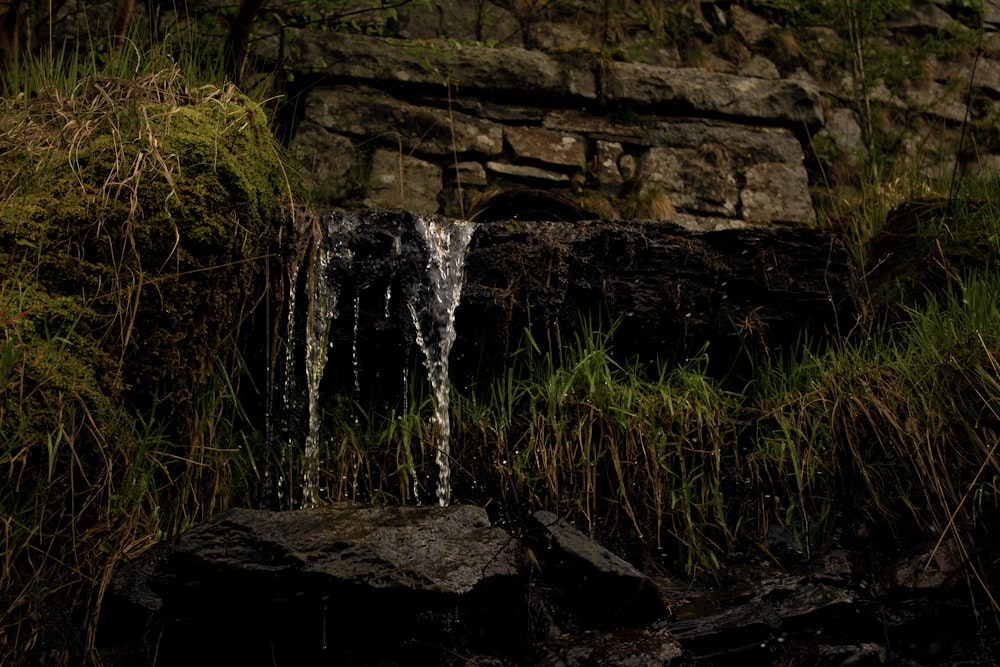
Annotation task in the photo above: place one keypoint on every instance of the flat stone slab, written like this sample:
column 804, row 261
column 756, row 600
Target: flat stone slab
column 436, row 550
column 326, row 586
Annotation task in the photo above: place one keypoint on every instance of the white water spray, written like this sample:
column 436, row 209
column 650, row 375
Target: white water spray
column 431, row 300
column 433, row 310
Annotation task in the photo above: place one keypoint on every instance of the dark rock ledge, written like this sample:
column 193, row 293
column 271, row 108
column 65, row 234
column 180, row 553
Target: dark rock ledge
column 352, row 584
column 357, row 584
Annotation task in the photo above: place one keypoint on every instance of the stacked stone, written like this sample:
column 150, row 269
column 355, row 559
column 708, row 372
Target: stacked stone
column 386, row 128
column 438, row 122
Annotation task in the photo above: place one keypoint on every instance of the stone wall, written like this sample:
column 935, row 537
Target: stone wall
column 441, row 130
column 471, row 103
column 712, row 113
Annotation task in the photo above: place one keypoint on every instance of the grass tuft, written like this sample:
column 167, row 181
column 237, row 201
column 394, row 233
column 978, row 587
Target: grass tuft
column 136, row 211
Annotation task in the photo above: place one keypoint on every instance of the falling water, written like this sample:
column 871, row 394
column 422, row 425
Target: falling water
column 432, row 306
column 431, row 299
column 354, row 344
column 323, row 295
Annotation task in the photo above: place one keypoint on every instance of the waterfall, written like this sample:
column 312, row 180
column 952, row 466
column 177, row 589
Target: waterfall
column 409, row 271
column 323, row 294
column 432, row 306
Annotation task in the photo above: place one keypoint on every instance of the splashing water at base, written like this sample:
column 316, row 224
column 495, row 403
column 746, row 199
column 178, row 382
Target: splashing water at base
column 432, row 306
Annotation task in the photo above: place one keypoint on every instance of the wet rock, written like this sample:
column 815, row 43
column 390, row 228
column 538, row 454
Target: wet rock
column 260, row 588
column 595, row 584
column 669, row 289
column 754, row 616
column 354, row 584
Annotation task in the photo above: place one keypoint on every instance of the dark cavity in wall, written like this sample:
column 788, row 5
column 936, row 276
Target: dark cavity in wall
column 528, row 204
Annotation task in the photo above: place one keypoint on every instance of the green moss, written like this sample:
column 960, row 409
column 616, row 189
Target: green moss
column 132, row 227
column 157, row 231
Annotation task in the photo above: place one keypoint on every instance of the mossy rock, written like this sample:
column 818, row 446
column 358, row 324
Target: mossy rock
column 135, row 216
column 154, row 217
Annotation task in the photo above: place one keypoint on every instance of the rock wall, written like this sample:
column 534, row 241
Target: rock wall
column 710, row 113
column 732, row 116
column 440, row 130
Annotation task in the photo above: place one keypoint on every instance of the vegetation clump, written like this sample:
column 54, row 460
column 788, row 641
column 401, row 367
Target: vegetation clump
column 137, row 213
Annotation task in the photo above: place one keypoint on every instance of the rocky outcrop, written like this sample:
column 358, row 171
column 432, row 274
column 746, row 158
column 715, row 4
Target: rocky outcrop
column 503, row 95
column 356, row 584
column 666, row 292
column 353, row 584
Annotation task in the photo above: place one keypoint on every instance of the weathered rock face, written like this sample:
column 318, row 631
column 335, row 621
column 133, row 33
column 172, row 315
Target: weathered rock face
column 502, row 95
column 700, row 139
column 744, row 293
column 356, row 584
column 353, row 584
column 333, row 583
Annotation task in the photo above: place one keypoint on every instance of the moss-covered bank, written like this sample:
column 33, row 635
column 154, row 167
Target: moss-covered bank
column 135, row 217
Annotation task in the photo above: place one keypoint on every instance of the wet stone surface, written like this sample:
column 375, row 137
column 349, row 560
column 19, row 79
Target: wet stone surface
column 353, row 584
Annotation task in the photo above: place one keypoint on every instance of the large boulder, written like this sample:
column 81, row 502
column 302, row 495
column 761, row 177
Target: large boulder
column 360, row 584
column 330, row 584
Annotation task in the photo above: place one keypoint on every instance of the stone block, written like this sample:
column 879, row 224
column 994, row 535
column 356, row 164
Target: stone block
column 330, row 163
column 777, row 193
column 546, row 146
column 608, row 174
column 696, row 180
column 526, row 172
column 420, row 129
column 402, row 181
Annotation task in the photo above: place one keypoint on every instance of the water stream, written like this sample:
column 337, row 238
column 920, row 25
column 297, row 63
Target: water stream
column 432, row 307
column 321, row 309
column 430, row 300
